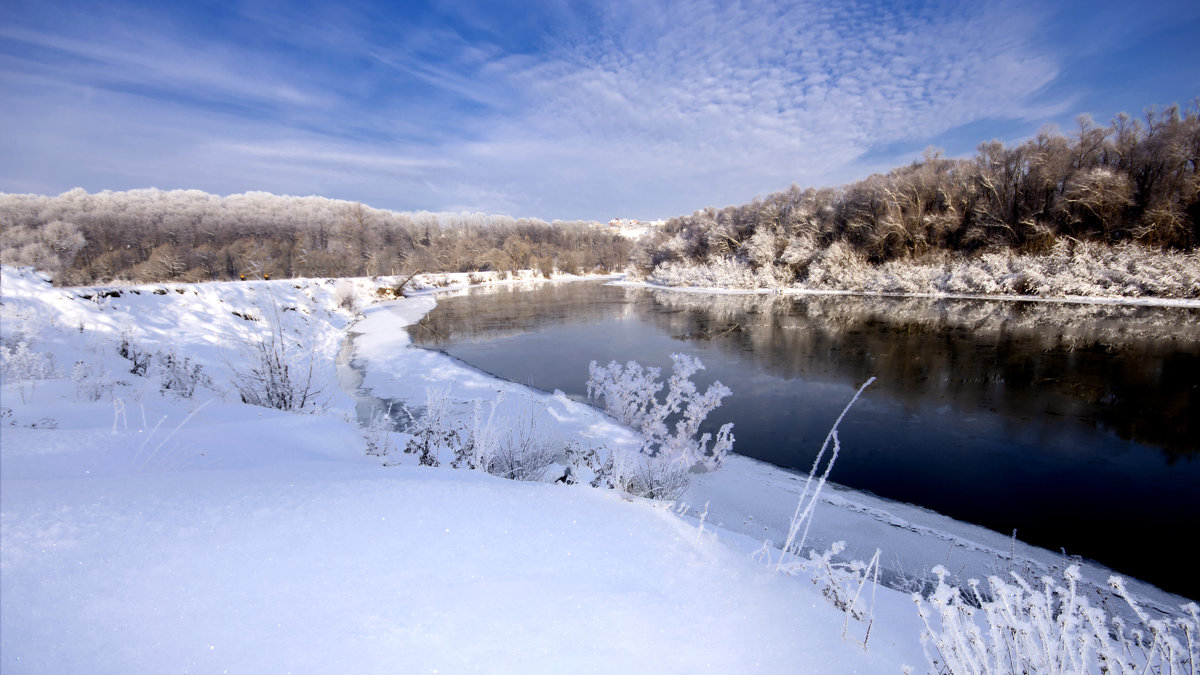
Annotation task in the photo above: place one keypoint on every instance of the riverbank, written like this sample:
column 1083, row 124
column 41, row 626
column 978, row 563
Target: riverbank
column 1078, row 273
column 753, row 499
column 153, row 527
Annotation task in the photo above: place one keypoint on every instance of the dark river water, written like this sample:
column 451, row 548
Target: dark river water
column 1076, row 425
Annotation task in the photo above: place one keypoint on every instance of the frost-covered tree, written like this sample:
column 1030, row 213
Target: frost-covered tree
column 153, row 235
column 25, row 367
column 51, row 248
column 669, row 426
column 1134, row 181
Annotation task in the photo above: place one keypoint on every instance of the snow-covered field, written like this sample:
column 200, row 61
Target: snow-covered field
column 146, row 526
column 145, row 531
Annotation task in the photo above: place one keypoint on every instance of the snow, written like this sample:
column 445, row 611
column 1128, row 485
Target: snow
column 147, row 532
column 1127, row 273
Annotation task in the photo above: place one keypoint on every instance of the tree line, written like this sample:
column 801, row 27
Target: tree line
column 1135, row 180
column 189, row 235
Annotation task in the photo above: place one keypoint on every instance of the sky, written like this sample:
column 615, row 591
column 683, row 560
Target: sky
column 553, row 109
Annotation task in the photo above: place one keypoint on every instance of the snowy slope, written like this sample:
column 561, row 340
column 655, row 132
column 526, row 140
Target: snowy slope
column 144, row 531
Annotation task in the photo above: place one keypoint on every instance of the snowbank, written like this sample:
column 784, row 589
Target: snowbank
column 142, row 530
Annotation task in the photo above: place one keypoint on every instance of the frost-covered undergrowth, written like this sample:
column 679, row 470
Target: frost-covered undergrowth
column 152, row 522
column 1082, row 270
column 1047, row 626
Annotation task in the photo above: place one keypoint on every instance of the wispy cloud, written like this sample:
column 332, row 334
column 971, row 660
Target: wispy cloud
column 128, row 57
column 306, row 153
column 638, row 108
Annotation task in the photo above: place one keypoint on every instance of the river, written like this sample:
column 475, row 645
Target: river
column 1076, row 425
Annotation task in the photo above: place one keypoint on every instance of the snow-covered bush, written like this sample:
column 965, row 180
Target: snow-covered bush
column 25, row 368
column 139, row 358
column 631, row 472
column 272, row 374
column 345, row 296
column 92, row 382
column 643, row 476
column 482, row 439
column 630, row 394
column 524, row 451
column 1049, row 627
column 799, row 254
column 514, row 448
column 378, row 432
column 719, row 273
column 434, row 431
column 180, row 375
column 1067, row 269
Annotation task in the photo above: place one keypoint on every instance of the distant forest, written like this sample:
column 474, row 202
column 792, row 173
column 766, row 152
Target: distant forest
column 188, row 235
column 1134, row 184
column 1135, row 180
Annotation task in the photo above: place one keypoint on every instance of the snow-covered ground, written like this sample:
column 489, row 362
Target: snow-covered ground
column 145, row 531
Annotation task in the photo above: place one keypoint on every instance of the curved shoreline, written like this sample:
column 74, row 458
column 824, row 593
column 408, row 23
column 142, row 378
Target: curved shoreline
column 750, row 500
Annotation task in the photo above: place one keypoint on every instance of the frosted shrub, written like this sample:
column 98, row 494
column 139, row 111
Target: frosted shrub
column 139, row 359
column 630, row 394
column 642, row 476
column 434, row 431
column 719, row 273
column 971, row 278
column 522, row 458
column 1020, row 627
column 482, row 441
column 1079, row 269
column 344, row 296
column 800, row 252
column 1068, row 269
column 279, row 375
column 25, row 368
column 523, row 451
column 378, row 432
column 180, row 376
column 92, row 382
column 513, row 448
column 839, row 267
column 633, row 473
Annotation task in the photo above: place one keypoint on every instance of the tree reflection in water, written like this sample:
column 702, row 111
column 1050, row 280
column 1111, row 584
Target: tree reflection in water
column 1067, row 422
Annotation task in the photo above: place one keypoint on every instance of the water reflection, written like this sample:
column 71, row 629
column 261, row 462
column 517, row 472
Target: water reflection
column 1075, row 424
column 507, row 310
column 1132, row 370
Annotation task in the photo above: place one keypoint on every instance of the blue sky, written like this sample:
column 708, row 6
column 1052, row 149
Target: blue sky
column 550, row 108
